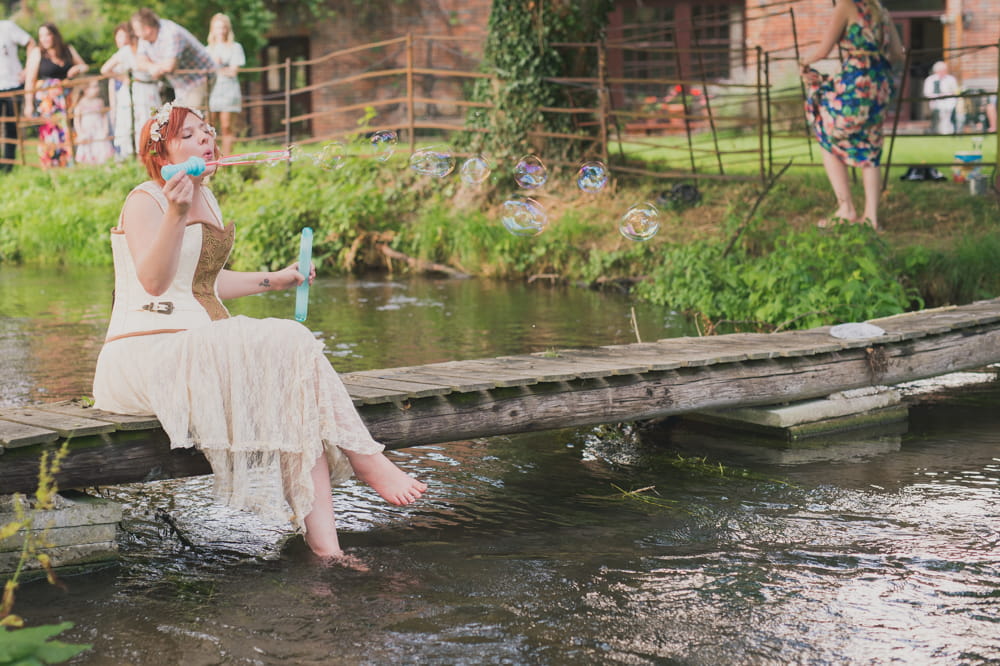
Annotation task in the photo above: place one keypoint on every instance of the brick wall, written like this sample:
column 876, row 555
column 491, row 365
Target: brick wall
column 774, row 33
column 356, row 24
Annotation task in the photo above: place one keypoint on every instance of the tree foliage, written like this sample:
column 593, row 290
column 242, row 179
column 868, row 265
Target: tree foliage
column 522, row 56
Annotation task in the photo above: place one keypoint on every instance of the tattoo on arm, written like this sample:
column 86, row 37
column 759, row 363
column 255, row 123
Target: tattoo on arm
column 265, row 283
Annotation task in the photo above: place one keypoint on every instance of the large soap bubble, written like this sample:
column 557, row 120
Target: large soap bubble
column 432, row 162
column 592, row 176
column 384, row 143
column 331, row 156
column 530, row 172
column 524, row 217
column 640, row 222
column 475, row 170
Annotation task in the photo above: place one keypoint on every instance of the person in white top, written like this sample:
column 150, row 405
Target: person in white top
column 131, row 106
column 12, row 37
column 940, row 88
column 257, row 396
column 226, row 99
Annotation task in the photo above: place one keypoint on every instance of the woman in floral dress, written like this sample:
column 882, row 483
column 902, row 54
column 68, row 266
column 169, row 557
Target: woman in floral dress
column 847, row 110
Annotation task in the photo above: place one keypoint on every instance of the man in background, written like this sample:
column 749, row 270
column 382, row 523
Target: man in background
column 940, row 88
column 12, row 38
column 167, row 50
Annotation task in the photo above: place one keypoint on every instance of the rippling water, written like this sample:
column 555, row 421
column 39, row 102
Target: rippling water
column 876, row 548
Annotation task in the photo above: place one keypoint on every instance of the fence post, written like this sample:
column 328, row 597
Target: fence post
column 687, row 113
column 996, row 107
column 288, row 114
column 895, row 120
column 708, row 110
column 802, row 83
column 770, row 128
column 409, row 93
column 760, row 115
column 602, row 97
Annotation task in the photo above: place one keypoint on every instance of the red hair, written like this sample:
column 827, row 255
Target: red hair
column 153, row 154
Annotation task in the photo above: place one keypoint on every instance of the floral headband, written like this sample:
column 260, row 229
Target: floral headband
column 162, row 116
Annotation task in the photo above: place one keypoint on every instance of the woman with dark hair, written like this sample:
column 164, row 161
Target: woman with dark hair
column 47, row 67
column 257, row 396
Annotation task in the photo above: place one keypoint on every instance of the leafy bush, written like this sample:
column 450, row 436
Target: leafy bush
column 807, row 279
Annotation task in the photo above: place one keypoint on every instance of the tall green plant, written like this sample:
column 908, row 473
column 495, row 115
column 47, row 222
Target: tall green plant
column 520, row 55
column 29, row 646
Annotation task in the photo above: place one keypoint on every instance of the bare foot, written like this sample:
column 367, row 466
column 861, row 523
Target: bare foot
column 393, row 484
column 346, row 561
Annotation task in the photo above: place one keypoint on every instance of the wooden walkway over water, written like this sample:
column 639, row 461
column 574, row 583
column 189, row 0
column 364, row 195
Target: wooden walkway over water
column 458, row 400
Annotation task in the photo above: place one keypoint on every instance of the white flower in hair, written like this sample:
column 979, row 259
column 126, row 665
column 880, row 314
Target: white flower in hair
column 162, row 116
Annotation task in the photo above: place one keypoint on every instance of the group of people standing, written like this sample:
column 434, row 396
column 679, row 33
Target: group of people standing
column 151, row 50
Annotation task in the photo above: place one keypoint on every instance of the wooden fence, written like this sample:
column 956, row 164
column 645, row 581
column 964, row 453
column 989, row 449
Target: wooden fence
column 702, row 126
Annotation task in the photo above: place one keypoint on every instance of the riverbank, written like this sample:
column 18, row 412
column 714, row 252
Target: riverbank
column 939, row 243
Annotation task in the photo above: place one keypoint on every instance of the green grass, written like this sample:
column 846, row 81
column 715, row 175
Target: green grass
column 741, row 153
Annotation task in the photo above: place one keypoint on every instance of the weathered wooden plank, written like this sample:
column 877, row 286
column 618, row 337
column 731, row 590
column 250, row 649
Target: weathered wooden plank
column 483, row 368
column 133, row 456
column 398, row 388
column 552, row 363
column 595, row 365
column 627, row 398
column 64, row 424
column 364, row 395
column 457, row 384
column 120, row 421
column 14, row 434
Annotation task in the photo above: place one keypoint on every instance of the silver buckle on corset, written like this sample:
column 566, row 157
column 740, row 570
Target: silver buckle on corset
column 161, row 307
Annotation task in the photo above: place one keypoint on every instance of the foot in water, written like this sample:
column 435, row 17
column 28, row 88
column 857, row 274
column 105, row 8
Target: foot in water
column 393, row 484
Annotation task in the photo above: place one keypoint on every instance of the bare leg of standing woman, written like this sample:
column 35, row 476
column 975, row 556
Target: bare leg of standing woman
column 871, row 176
column 836, row 171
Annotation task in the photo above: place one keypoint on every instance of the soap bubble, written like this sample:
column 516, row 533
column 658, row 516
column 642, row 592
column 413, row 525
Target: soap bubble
column 475, row 170
column 524, row 217
column 640, row 222
column 331, row 156
column 592, row 176
column 530, row 173
column 384, row 143
column 431, row 162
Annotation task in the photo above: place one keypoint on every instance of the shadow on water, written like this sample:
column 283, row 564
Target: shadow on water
column 667, row 545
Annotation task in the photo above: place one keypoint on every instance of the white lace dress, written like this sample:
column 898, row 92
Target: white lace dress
column 257, row 396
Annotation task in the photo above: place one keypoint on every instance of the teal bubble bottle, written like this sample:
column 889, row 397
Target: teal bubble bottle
column 305, row 261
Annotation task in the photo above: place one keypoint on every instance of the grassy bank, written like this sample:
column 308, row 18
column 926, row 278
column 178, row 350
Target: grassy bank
column 939, row 244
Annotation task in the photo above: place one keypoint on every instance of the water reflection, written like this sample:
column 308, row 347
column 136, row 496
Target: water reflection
column 880, row 548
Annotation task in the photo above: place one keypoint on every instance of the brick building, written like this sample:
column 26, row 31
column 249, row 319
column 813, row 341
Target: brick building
column 726, row 32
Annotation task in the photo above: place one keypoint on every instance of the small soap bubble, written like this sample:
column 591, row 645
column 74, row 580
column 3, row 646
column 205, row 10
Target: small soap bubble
column 476, row 170
column 640, row 222
column 592, row 176
column 331, row 156
column 432, row 162
column 524, row 217
column 384, row 143
column 530, row 173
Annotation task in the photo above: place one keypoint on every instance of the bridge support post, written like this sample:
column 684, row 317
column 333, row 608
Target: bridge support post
column 81, row 530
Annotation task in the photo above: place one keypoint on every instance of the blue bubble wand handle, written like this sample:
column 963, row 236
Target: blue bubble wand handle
column 305, row 262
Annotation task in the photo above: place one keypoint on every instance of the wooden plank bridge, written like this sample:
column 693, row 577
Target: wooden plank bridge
column 458, row 400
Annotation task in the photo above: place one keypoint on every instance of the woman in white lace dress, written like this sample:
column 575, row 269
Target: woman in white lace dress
column 225, row 101
column 257, row 396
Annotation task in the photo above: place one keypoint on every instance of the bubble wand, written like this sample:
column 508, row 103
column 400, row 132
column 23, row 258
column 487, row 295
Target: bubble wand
column 305, row 263
column 195, row 166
